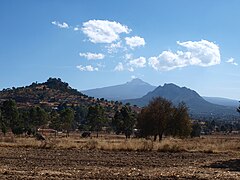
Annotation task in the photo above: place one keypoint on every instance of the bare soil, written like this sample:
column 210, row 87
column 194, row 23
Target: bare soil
column 39, row 163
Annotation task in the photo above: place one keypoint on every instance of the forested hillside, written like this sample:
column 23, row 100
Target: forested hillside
column 52, row 104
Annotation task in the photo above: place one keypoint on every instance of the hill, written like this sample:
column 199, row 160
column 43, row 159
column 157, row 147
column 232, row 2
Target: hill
column 49, row 95
column 198, row 106
column 133, row 89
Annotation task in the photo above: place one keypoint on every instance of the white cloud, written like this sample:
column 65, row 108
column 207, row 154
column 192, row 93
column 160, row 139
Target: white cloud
column 63, row 25
column 103, row 31
column 131, row 69
column 87, row 68
column 119, row 67
column 76, row 28
column 133, row 77
column 134, row 41
column 199, row 53
column 128, row 56
column 232, row 61
column 101, row 65
column 92, row 56
column 131, row 65
column 113, row 48
column 137, row 63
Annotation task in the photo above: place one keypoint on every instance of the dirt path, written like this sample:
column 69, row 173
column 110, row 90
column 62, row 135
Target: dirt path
column 33, row 163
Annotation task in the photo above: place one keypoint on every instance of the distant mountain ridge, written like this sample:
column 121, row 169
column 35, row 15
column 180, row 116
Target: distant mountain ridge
column 222, row 101
column 133, row 89
column 197, row 105
column 54, row 92
column 138, row 92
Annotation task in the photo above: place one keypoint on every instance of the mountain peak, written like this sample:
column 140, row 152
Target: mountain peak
column 171, row 85
column 137, row 81
column 135, row 88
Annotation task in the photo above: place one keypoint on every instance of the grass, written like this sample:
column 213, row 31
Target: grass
column 206, row 144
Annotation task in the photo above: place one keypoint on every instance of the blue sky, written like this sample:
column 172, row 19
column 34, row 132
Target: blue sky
column 92, row 43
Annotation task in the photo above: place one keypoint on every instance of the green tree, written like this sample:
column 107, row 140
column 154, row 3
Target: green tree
column 55, row 122
column 196, row 130
column 238, row 109
column 38, row 117
column 129, row 120
column 124, row 121
column 19, row 126
column 80, row 115
column 0, row 116
column 3, row 128
column 96, row 118
column 2, row 124
column 67, row 118
column 117, row 122
column 10, row 115
column 24, row 118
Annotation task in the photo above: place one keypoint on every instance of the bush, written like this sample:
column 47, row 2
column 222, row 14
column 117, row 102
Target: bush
column 196, row 130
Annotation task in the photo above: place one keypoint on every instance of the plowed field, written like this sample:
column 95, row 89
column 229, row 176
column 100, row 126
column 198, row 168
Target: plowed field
column 39, row 163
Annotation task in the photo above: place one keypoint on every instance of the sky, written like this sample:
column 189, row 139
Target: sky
column 92, row 43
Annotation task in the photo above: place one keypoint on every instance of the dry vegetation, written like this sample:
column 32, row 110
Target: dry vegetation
column 113, row 157
column 207, row 144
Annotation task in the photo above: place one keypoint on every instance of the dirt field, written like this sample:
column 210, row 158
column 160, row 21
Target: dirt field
column 39, row 163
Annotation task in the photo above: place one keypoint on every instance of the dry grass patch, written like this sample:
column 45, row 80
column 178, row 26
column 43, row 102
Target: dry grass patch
column 212, row 144
column 206, row 144
column 127, row 145
column 7, row 139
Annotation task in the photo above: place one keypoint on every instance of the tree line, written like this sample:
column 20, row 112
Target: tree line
column 28, row 121
column 159, row 118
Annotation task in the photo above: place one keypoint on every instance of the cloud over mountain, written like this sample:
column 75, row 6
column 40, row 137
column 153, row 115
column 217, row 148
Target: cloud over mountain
column 137, row 63
column 119, row 67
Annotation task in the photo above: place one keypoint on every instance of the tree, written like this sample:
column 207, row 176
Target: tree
column 67, row 118
column 180, row 124
column 129, row 120
column 55, row 122
column 146, row 124
column 0, row 115
column 38, row 117
column 238, row 109
column 19, row 126
column 2, row 124
column 26, row 122
column 160, row 118
column 3, row 128
column 10, row 115
column 124, row 121
column 159, row 112
column 196, row 130
column 95, row 118
column 80, row 115
column 117, row 122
